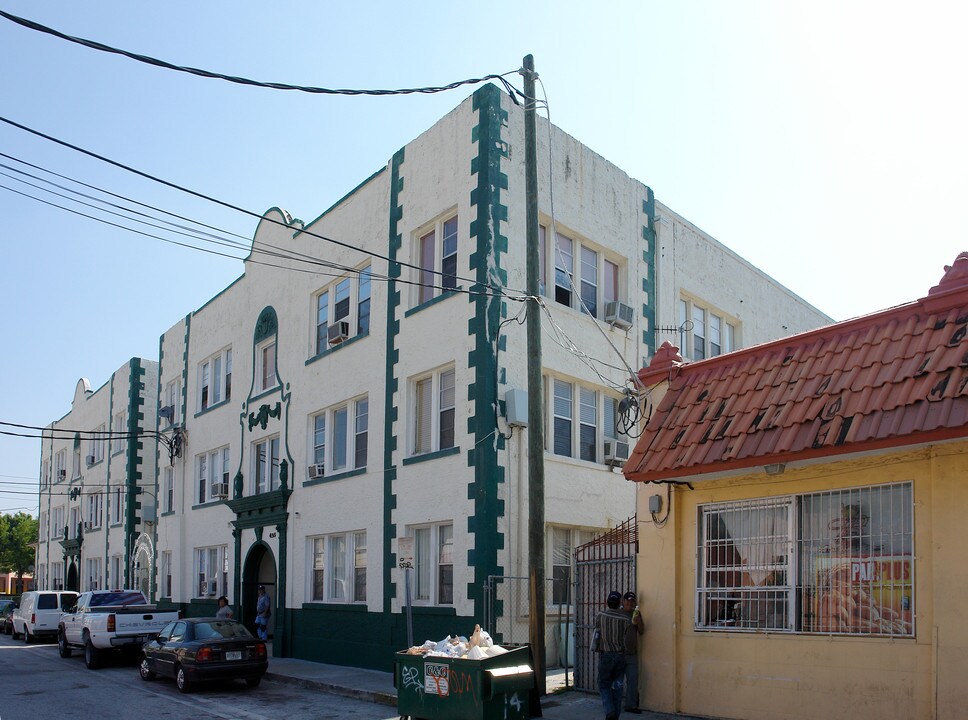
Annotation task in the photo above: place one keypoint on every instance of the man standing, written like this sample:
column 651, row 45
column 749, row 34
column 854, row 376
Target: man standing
column 263, row 611
column 611, row 629
column 635, row 629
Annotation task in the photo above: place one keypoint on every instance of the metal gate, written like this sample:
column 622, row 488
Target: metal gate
column 606, row 563
column 506, row 615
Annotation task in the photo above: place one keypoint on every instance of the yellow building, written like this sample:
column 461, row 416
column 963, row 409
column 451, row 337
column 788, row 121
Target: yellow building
column 804, row 502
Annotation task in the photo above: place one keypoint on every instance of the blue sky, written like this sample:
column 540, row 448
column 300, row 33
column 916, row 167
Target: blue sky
column 822, row 141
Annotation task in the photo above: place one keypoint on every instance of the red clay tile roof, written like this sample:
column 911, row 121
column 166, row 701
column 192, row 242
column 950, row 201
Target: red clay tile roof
column 893, row 378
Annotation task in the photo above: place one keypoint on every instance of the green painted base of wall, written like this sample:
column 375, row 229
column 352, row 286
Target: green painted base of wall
column 365, row 639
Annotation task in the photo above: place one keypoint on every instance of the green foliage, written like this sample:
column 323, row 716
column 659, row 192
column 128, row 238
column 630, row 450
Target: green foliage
column 17, row 532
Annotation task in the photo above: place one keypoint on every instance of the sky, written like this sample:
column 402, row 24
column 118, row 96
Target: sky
column 822, row 141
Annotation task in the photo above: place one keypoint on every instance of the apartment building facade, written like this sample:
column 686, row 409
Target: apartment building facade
column 340, row 407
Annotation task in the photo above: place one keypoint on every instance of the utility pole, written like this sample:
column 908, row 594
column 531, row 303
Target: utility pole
column 536, row 493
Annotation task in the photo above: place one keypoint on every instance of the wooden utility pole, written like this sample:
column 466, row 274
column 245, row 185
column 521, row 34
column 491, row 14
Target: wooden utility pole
column 536, row 494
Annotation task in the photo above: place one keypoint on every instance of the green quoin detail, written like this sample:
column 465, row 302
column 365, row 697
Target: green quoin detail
column 136, row 416
column 188, row 333
column 487, row 217
column 648, row 282
column 395, row 242
column 154, row 533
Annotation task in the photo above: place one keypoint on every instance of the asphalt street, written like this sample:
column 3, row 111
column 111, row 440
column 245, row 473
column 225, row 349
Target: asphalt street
column 38, row 683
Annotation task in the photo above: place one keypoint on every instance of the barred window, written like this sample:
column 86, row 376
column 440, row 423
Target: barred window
column 831, row 562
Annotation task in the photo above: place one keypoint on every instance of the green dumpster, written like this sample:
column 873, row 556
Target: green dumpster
column 442, row 688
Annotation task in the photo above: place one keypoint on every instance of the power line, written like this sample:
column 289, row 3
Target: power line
column 93, row 44
column 391, row 262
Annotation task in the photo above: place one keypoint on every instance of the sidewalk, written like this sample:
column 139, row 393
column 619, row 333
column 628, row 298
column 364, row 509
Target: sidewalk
column 377, row 686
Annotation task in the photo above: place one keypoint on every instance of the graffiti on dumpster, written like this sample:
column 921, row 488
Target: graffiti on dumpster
column 411, row 678
column 461, row 683
column 515, row 702
column 437, row 679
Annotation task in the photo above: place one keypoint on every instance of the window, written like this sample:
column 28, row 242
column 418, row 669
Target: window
column 169, row 489
column 434, row 564
column 45, row 474
column 597, row 281
column 75, row 518
column 338, row 567
column 60, row 465
column 57, row 576
column 96, row 444
column 92, row 573
column 59, row 522
column 595, row 410
column 266, row 357
column 347, row 438
column 266, row 459
column 76, row 464
column 831, row 562
column 41, row 578
column 434, row 412
column 173, row 400
column 334, row 305
column 703, row 333
column 116, row 580
column 437, row 259
column 119, row 441
column 43, row 529
column 117, row 505
column 213, row 470
column 94, row 506
column 215, row 379
column 561, row 544
column 211, row 571
column 165, row 574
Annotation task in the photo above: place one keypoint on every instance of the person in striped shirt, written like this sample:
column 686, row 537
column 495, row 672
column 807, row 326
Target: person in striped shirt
column 611, row 628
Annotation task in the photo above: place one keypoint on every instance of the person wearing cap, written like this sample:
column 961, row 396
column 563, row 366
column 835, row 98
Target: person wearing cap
column 611, row 629
column 263, row 611
column 636, row 628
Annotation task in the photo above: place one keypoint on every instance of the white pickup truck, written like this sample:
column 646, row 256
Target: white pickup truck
column 103, row 620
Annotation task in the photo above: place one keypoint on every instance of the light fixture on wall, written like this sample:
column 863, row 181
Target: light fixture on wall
column 774, row 468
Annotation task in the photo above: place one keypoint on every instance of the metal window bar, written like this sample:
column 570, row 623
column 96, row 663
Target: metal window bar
column 848, row 567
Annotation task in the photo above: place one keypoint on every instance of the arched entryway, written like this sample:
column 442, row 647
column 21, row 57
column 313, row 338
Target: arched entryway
column 259, row 569
column 71, row 582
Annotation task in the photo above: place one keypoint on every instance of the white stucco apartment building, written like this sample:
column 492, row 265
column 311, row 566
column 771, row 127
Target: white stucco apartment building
column 343, row 400
column 97, row 464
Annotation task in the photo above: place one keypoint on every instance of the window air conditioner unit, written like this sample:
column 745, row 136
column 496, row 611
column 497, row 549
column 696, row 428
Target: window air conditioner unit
column 317, row 471
column 220, row 490
column 90, row 460
column 62, row 474
column 618, row 314
column 616, row 453
column 338, row 332
column 212, row 587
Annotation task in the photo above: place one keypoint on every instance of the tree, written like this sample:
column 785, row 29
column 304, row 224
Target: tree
column 17, row 535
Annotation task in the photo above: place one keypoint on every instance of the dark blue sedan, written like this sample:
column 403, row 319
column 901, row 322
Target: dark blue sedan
column 198, row 649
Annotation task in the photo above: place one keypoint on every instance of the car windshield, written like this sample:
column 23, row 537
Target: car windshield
column 117, row 598
column 220, row 629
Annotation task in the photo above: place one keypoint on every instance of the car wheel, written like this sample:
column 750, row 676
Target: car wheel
column 91, row 656
column 253, row 682
column 181, row 680
column 28, row 638
column 14, row 635
column 63, row 649
column 144, row 669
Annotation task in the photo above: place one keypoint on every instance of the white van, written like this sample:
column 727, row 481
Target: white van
column 39, row 612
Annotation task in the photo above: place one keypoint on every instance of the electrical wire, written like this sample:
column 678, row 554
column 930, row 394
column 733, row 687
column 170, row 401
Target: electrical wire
column 94, row 45
column 504, row 292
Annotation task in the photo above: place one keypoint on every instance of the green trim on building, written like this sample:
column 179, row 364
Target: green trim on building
column 220, row 293
column 424, row 457
column 188, row 333
column 394, row 242
column 649, row 281
column 485, row 262
column 433, row 301
column 334, row 478
column 134, row 461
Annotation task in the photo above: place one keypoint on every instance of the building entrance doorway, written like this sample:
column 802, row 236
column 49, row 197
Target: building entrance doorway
column 259, row 569
column 72, row 580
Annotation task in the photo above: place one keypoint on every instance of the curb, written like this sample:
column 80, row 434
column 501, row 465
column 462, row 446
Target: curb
column 374, row 696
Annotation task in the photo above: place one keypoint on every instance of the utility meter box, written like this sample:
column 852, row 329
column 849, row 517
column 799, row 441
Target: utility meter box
column 516, row 407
